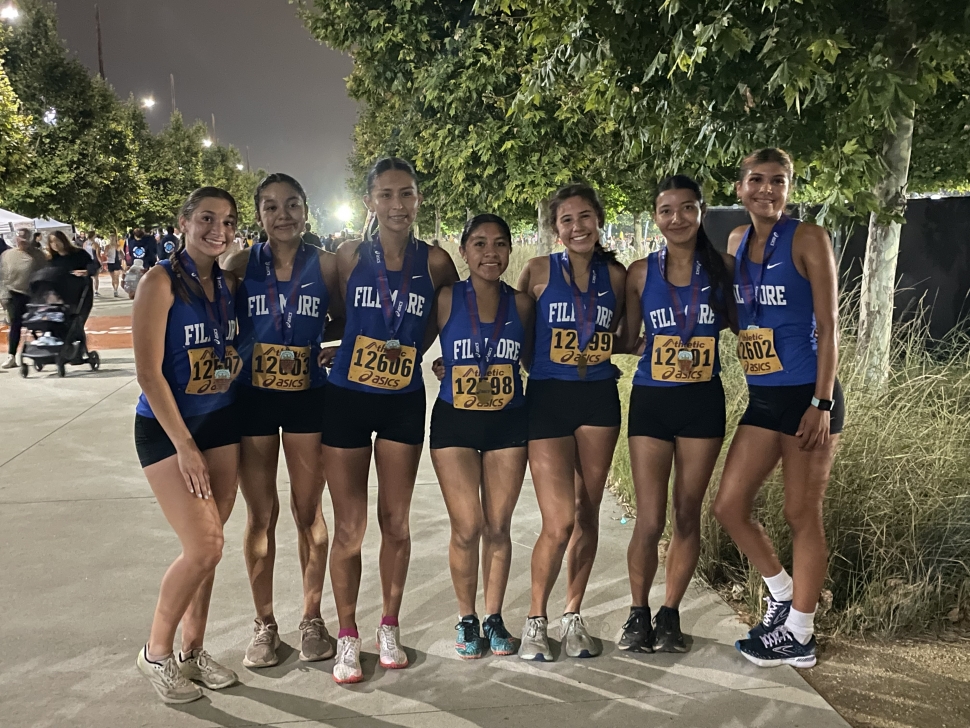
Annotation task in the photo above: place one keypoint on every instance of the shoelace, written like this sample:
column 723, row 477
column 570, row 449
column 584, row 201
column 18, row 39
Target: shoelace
column 312, row 628
column 171, row 674
column 771, row 611
column 388, row 639
column 467, row 631
column 264, row 635
column 497, row 629
column 636, row 620
column 349, row 650
column 573, row 621
column 534, row 626
column 776, row 637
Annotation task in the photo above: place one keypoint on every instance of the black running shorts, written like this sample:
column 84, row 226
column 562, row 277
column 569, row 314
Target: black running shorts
column 781, row 408
column 265, row 411
column 216, row 429
column 482, row 431
column 557, row 408
column 666, row 413
column 354, row 417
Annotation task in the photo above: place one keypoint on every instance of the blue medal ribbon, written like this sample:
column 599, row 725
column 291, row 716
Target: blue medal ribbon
column 750, row 288
column 218, row 314
column 393, row 309
column 686, row 319
column 485, row 348
column 584, row 304
column 283, row 320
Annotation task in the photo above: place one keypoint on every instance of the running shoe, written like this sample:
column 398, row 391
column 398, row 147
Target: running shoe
column 775, row 616
column 346, row 668
column 778, row 648
column 469, row 644
column 576, row 640
column 315, row 644
column 117, row 295
column 10, row 363
column 535, row 640
column 637, row 633
column 667, row 636
column 262, row 647
column 198, row 665
column 499, row 639
column 168, row 681
column 388, row 642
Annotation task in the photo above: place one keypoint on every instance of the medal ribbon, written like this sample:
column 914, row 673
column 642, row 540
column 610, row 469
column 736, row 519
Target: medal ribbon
column 584, row 303
column 750, row 287
column 218, row 315
column 283, row 320
column 393, row 309
column 686, row 318
column 485, row 349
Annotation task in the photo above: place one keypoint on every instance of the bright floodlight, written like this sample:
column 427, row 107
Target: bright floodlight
column 344, row 213
column 148, row 102
column 240, row 167
column 206, row 143
column 9, row 13
column 50, row 117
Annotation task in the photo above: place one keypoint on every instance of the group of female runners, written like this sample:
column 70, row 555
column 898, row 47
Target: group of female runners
column 229, row 358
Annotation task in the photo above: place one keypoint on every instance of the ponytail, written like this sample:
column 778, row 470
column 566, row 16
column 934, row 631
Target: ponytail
column 182, row 281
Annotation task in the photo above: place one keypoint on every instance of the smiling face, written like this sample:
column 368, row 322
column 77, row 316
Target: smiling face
column 764, row 189
column 577, row 224
column 678, row 214
column 210, row 227
column 395, row 199
column 282, row 212
column 487, row 251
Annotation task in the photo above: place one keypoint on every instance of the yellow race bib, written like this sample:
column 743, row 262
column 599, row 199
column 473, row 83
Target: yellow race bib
column 267, row 373
column 564, row 348
column 371, row 366
column 465, row 383
column 202, row 369
column 756, row 350
column 663, row 362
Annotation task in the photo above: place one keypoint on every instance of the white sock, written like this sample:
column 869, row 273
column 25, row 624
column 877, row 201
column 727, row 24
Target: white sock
column 156, row 658
column 801, row 625
column 780, row 585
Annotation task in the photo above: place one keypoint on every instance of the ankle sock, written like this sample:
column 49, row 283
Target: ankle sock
column 801, row 625
column 780, row 585
column 537, row 616
column 349, row 632
column 390, row 621
column 156, row 658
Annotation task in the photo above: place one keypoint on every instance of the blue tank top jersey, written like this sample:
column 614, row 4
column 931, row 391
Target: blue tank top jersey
column 458, row 349
column 365, row 318
column 555, row 309
column 261, row 322
column 786, row 306
column 187, row 364
column 659, row 320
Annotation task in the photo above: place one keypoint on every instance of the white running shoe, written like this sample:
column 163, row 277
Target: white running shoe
column 388, row 642
column 10, row 363
column 261, row 651
column 168, row 681
column 576, row 641
column 535, row 640
column 199, row 666
column 346, row 667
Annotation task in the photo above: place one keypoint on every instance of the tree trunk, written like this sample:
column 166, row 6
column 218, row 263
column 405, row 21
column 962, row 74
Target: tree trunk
column 468, row 214
column 638, row 230
column 547, row 236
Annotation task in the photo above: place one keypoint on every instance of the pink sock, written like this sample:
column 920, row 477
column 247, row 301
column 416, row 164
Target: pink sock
column 349, row 632
column 391, row 621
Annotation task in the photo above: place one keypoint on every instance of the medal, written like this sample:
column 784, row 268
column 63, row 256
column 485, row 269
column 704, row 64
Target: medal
column 218, row 318
column 584, row 306
column 686, row 317
column 751, row 288
column 685, row 361
column 581, row 366
column 392, row 307
column 484, row 392
column 283, row 310
column 484, row 347
column 287, row 361
column 222, row 380
column 392, row 350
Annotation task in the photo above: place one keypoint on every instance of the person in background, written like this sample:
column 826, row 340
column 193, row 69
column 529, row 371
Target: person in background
column 78, row 269
column 92, row 248
column 114, row 256
column 331, row 244
column 17, row 265
column 168, row 242
column 142, row 247
column 36, row 241
column 311, row 238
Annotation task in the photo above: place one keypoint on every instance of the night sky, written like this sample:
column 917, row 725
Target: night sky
column 251, row 62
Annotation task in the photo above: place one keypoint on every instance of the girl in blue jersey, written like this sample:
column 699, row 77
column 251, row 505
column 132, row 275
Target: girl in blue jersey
column 187, row 434
column 479, row 428
column 573, row 409
column 286, row 290
column 787, row 299
column 389, row 282
column 677, row 410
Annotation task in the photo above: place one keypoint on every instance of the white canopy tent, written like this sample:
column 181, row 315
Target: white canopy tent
column 11, row 221
column 49, row 226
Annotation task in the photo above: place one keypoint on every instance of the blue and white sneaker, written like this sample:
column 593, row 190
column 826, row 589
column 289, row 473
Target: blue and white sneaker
column 778, row 648
column 499, row 639
column 775, row 615
column 469, row 644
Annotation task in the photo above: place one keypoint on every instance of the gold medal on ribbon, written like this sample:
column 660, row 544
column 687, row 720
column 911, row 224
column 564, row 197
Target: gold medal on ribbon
column 685, row 361
column 392, row 350
column 483, row 392
column 581, row 365
column 287, row 361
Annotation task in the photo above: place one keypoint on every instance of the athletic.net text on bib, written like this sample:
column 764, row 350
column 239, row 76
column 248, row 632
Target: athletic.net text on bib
column 564, row 347
column 756, row 350
column 663, row 362
column 370, row 365
column 465, row 387
column 268, row 374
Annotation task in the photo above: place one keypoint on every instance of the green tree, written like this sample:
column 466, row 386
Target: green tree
column 15, row 153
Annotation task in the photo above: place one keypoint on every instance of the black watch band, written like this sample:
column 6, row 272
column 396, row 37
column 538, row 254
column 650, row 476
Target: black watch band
column 823, row 404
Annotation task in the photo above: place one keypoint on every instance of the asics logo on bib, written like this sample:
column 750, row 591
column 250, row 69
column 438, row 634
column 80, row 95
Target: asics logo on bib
column 561, row 312
column 663, row 317
column 367, row 297
column 196, row 334
column 305, row 306
column 767, row 295
column 506, row 349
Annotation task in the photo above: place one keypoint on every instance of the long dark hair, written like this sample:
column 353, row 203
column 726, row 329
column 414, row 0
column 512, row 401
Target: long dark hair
column 483, row 219
column 182, row 281
column 272, row 179
column 707, row 254
column 579, row 189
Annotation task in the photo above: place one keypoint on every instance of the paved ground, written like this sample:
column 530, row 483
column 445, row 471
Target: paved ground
column 83, row 546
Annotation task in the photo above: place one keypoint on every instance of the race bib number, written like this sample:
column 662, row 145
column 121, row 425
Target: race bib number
column 756, row 350
column 565, row 347
column 465, row 385
column 370, row 365
column 202, row 369
column 268, row 374
column 664, row 366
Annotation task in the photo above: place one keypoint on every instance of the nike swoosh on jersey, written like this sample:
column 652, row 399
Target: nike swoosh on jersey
column 706, row 288
column 602, row 293
column 774, row 265
column 307, row 284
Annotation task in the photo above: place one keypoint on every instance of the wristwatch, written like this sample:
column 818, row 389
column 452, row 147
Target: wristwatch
column 823, row 404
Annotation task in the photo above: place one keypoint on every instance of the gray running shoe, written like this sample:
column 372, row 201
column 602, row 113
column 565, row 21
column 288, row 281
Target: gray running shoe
column 262, row 647
column 535, row 641
column 575, row 639
column 200, row 666
column 165, row 677
column 315, row 644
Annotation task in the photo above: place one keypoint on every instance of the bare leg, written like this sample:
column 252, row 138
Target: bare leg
column 650, row 463
column 257, row 481
column 304, row 464
column 552, row 462
column 504, row 471
column 397, row 469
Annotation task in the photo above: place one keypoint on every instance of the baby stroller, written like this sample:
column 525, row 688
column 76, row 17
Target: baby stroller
column 57, row 326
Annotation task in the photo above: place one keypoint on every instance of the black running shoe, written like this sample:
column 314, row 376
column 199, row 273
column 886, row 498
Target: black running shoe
column 667, row 636
column 637, row 632
column 778, row 648
column 775, row 616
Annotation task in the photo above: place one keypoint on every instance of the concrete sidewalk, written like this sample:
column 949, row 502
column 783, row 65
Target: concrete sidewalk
column 83, row 547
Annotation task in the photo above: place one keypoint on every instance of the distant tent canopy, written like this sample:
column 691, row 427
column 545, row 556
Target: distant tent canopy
column 45, row 226
column 11, row 221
